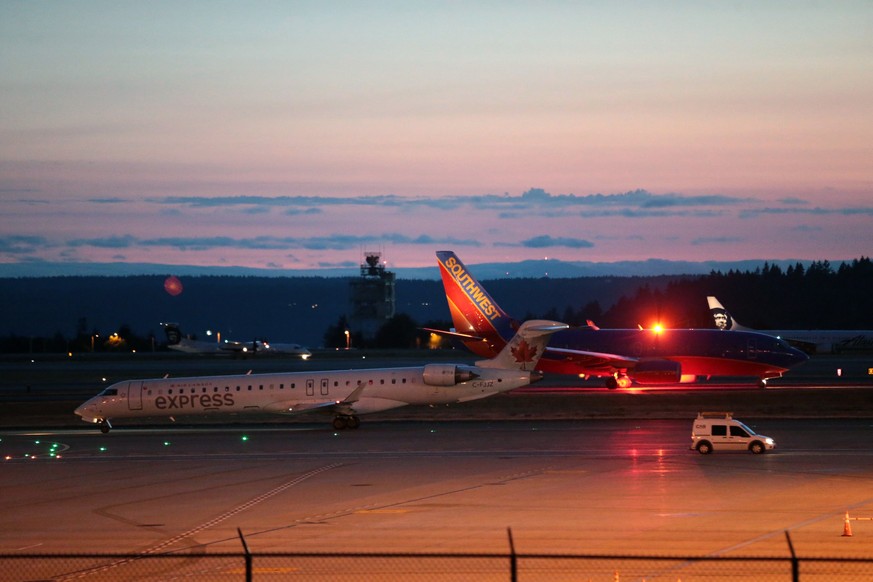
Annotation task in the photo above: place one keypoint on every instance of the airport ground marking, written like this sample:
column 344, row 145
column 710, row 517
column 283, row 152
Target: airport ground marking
column 216, row 520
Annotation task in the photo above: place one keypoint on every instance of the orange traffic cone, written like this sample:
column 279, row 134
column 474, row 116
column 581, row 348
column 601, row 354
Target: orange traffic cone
column 847, row 527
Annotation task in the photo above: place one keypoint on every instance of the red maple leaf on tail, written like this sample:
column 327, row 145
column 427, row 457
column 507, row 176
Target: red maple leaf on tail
column 524, row 353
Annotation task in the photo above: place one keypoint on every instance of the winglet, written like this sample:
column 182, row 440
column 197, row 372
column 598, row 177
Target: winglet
column 355, row 394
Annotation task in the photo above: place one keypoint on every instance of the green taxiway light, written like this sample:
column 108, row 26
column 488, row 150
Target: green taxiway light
column 245, row 437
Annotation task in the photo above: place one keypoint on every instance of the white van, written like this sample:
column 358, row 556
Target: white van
column 720, row 431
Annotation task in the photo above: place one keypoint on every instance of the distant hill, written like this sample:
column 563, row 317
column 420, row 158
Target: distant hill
column 523, row 269
column 301, row 309
column 280, row 309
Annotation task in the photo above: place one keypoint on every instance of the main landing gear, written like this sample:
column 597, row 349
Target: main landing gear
column 342, row 422
column 618, row 381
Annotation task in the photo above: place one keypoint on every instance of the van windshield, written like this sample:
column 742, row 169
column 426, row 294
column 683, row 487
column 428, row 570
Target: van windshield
column 747, row 429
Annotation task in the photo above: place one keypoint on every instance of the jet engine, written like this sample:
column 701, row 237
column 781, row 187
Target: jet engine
column 446, row 375
column 657, row 372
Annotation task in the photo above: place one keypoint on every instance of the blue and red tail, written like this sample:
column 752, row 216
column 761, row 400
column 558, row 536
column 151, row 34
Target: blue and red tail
column 479, row 322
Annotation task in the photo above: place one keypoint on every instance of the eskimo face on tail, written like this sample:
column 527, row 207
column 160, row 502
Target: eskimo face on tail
column 173, row 333
column 722, row 318
column 720, row 315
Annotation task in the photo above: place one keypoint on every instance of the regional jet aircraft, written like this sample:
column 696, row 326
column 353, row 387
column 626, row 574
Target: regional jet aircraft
column 810, row 341
column 345, row 394
column 176, row 341
column 622, row 356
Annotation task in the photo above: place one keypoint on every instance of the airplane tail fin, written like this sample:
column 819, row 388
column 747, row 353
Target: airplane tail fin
column 173, row 333
column 524, row 350
column 473, row 311
column 722, row 316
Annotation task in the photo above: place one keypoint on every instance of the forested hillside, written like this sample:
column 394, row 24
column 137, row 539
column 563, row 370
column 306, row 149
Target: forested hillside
column 64, row 313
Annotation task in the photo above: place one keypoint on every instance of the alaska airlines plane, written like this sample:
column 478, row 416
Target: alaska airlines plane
column 622, row 356
column 345, row 393
column 176, row 341
column 811, row 341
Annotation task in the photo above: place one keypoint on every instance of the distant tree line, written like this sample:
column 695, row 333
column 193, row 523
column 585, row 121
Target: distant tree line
column 815, row 297
column 819, row 296
column 123, row 339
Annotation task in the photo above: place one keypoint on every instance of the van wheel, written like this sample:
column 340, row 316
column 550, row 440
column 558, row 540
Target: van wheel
column 704, row 448
column 757, row 447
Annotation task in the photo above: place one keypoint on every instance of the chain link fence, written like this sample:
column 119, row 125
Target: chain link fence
column 426, row 568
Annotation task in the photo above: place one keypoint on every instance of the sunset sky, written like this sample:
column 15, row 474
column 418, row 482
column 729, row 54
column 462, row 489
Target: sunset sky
column 295, row 135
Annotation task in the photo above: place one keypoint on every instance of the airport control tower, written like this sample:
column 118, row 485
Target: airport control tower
column 371, row 296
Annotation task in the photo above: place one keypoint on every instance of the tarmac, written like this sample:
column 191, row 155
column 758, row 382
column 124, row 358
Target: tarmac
column 569, row 468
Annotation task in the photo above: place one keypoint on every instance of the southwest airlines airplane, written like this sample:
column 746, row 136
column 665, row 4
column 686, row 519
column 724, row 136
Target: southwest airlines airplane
column 176, row 341
column 811, row 341
column 344, row 393
column 622, row 356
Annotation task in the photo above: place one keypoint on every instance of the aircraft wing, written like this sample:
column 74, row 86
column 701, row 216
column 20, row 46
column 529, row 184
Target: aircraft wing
column 296, row 407
column 233, row 346
column 454, row 334
column 592, row 360
column 339, row 406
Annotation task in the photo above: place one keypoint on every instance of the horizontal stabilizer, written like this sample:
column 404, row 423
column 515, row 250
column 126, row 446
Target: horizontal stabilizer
column 454, row 334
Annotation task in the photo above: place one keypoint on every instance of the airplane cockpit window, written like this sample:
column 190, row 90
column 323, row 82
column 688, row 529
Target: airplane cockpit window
column 110, row 392
column 779, row 344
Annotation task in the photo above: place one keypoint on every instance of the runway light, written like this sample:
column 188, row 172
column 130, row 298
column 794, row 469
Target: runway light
column 102, row 449
column 245, row 437
column 166, row 443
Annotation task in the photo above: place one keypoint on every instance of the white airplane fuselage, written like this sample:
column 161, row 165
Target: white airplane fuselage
column 296, row 392
column 233, row 348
